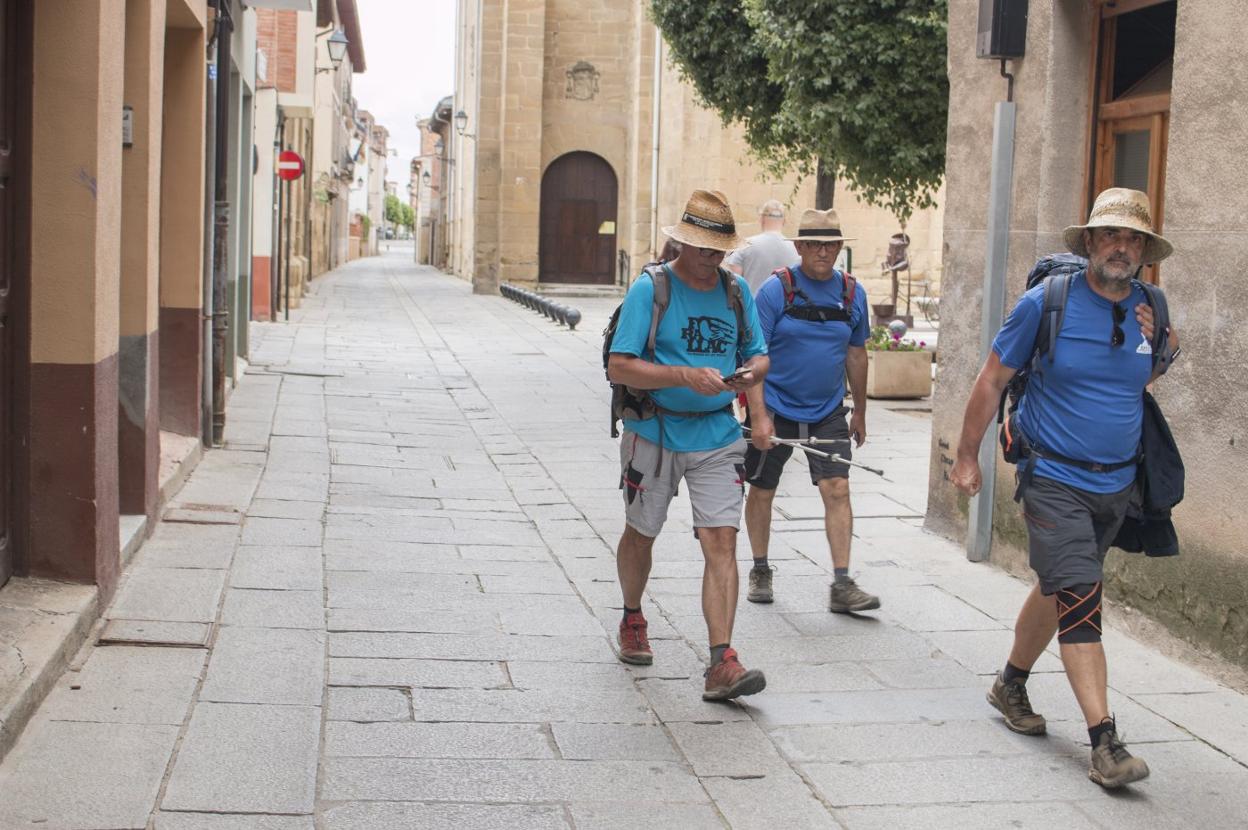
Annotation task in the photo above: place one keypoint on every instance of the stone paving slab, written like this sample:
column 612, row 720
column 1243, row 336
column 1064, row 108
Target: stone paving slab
column 124, row 684
column 244, row 758
column 501, row 781
column 266, row 665
column 368, row 816
column 84, row 776
column 217, row 821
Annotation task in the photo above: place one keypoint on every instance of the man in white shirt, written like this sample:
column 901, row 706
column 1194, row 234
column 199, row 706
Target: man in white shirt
column 765, row 252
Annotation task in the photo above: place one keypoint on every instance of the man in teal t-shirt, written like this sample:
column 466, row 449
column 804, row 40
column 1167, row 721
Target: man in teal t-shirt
column 691, row 378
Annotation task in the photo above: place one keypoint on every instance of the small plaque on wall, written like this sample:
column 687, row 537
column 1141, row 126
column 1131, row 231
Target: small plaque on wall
column 127, row 125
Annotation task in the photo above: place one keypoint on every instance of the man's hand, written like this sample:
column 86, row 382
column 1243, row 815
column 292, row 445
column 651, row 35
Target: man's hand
column 761, row 430
column 703, row 380
column 966, row 475
column 1144, row 316
column 740, row 382
column 858, row 427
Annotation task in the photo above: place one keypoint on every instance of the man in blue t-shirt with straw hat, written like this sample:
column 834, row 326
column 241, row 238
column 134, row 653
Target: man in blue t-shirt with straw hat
column 1080, row 418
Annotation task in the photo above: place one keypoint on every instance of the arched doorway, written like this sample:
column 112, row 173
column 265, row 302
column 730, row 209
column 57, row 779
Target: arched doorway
column 577, row 241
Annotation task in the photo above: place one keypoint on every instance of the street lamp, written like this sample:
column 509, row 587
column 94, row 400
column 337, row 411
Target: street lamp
column 426, row 178
column 461, row 124
column 337, row 46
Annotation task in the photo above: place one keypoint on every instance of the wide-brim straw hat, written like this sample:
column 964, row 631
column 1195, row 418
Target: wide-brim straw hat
column 706, row 223
column 1119, row 207
column 819, row 226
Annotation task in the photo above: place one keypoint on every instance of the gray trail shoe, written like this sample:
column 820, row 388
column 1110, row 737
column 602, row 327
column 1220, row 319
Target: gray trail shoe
column 760, row 585
column 1011, row 701
column 845, row 597
column 1112, row 766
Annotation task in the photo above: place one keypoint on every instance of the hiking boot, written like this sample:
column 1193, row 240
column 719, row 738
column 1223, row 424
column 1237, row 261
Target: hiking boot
column 728, row 679
column 760, row 585
column 634, row 644
column 1112, row 765
column 1010, row 699
column 846, row 597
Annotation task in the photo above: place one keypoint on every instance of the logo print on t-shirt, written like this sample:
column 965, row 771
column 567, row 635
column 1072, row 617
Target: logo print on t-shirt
column 708, row 335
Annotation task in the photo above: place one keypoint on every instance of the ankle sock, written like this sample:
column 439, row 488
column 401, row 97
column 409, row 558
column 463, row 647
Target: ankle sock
column 717, row 654
column 628, row 611
column 1095, row 732
column 840, row 575
column 1012, row 674
column 760, row 563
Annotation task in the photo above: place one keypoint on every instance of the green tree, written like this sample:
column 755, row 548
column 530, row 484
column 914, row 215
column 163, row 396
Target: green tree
column 394, row 209
column 855, row 88
column 408, row 219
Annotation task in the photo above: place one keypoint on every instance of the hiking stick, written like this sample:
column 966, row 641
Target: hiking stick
column 831, row 456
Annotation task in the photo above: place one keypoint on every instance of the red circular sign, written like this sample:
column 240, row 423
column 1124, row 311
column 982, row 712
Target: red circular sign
column 289, row 165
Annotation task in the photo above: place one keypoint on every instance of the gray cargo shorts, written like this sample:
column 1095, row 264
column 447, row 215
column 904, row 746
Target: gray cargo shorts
column 716, row 481
column 1069, row 531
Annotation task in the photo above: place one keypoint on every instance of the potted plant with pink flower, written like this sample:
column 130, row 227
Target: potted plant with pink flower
column 897, row 366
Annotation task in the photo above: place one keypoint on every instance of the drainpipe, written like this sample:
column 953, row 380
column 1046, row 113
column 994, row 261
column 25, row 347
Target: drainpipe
column 275, row 258
column 655, row 113
column 221, row 221
column 205, row 282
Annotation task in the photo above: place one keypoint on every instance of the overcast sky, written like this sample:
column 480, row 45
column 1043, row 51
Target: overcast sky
column 409, row 49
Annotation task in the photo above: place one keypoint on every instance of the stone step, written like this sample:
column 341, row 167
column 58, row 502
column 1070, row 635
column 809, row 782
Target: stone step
column 559, row 289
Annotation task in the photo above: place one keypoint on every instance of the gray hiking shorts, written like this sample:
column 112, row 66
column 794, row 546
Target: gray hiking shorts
column 1069, row 531
column 715, row 479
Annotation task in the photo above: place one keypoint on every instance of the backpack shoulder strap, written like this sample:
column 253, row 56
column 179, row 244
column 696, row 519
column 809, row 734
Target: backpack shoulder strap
column 732, row 287
column 786, row 280
column 662, row 296
column 1056, row 290
column 1161, row 326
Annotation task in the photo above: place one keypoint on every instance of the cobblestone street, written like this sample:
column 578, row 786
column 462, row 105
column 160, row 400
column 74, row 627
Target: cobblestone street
column 390, row 602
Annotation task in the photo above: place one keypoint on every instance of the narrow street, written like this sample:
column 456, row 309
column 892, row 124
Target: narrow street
column 390, row 602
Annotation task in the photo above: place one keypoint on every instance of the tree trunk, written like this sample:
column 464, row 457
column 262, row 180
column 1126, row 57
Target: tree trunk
column 825, row 187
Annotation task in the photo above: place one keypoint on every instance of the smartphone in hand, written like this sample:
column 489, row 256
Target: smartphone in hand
column 737, row 375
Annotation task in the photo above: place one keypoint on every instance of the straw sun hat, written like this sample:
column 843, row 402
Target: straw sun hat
column 706, row 223
column 1119, row 207
column 819, row 226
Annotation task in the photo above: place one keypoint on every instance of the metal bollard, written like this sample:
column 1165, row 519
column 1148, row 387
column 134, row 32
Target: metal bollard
column 574, row 317
column 561, row 313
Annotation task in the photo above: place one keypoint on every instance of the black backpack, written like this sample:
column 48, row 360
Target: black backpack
column 1055, row 272
column 810, row 311
column 637, row 404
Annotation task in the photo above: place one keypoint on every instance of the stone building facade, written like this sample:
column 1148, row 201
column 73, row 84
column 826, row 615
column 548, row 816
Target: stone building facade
column 1136, row 94
column 571, row 153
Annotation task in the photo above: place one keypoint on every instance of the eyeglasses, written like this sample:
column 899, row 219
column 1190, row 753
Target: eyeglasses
column 822, row 246
column 1116, row 337
column 710, row 252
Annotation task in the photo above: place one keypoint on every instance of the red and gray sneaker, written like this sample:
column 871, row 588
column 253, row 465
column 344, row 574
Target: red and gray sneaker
column 728, row 679
column 634, row 644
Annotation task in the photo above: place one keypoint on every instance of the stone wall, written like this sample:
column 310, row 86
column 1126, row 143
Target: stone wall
column 1201, row 595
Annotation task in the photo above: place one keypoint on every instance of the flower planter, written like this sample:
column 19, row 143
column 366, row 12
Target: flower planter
column 894, row 374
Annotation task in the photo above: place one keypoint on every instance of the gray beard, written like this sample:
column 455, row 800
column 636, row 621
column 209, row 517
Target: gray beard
column 1110, row 282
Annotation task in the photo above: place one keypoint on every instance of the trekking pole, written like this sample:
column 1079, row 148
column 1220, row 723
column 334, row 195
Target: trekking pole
column 805, row 446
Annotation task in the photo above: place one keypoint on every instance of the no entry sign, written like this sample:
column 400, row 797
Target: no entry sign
column 289, row 165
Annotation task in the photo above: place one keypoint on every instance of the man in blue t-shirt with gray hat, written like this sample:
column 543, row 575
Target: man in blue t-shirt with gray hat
column 1080, row 420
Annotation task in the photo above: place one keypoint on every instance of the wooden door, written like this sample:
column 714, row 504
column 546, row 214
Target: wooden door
column 8, row 309
column 577, row 243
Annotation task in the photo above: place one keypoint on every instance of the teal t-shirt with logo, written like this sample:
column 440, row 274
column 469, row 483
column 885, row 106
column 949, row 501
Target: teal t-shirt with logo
column 699, row 328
